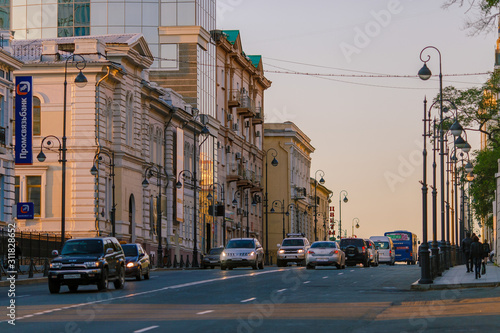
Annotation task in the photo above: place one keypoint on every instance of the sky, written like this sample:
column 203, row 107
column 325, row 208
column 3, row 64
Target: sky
column 367, row 131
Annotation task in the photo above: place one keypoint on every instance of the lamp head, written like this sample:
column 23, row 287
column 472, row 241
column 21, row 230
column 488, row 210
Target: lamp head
column 460, row 142
column 287, row 213
column 274, row 162
column 470, row 177
column 93, row 170
column 469, row 167
column 81, row 80
column 41, row 157
column 345, row 199
column 424, row 73
column 254, row 202
column 456, row 129
column 235, row 202
column 205, row 131
column 145, row 183
column 466, row 147
column 322, row 181
column 272, row 210
column 210, row 197
column 178, row 185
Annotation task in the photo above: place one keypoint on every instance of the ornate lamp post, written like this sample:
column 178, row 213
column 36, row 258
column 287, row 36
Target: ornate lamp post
column 80, row 82
column 210, row 197
column 274, row 163
column 344, row 192
column 151, row 171
column 284, row 212
column 94, row 171
column 321, row 181
column 357, row 225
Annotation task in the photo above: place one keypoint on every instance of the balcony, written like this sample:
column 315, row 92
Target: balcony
column 245, row 180
column 258, row 118
column 234, row 98
column 247, row 107
column 234, row 172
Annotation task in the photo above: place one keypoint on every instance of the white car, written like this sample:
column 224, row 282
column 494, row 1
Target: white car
column 385, row 248
column 325, row 253
column 242, row 252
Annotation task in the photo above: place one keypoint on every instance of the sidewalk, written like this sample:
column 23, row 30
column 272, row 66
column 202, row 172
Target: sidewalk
column 457, row 277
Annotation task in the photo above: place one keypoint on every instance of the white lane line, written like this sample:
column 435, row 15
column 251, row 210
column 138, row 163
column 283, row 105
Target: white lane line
column 146, row 329
column 178, row 286
column 341, row 273
column 305, row 282
column 205, row 312
column 22, row 296
column 281, row 290
column 28, row 316
column 325, row 277
column 352, row 270
column 248, row 300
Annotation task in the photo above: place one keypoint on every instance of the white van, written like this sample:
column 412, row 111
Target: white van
column 385, row 248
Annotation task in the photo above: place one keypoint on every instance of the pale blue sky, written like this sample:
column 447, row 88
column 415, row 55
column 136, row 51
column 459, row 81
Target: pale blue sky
column 364, row 129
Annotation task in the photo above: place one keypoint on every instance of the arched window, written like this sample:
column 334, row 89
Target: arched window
column 37, row 125
column 130, row 121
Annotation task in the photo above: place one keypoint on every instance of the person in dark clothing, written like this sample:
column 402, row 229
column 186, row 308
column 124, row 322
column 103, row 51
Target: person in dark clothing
column 476, row 252
column 486, row 254
column 466, row 242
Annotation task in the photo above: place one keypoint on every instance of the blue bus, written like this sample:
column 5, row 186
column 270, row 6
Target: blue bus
column 405, row 245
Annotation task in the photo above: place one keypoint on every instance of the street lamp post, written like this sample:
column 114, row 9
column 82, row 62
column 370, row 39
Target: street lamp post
column 211, row 197
column 274, row 163
column 94, row 171
column 80, row 81
column 283, row 211
column 151, row 171
column 357, row 225
column 340, row 210
column 321, row 181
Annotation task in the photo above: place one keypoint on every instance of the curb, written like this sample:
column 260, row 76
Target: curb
column 425, row 287
column 6, row 283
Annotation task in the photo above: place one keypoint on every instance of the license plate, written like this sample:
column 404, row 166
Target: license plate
column 72, row 276
column 213, row 261
column 322, row 259
column 236, row 259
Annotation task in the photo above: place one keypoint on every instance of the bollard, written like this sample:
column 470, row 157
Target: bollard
column 175, row 261
column 181, row 264
column 30, row 274
column 169, row 263
column 187, row 261
column 46, row 267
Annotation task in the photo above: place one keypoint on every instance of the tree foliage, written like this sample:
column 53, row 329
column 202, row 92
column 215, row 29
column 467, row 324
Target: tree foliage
column 486, row 13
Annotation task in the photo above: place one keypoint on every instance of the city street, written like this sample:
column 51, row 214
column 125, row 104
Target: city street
column 292, row 299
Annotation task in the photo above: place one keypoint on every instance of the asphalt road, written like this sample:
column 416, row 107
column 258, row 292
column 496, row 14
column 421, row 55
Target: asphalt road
column 292, row 299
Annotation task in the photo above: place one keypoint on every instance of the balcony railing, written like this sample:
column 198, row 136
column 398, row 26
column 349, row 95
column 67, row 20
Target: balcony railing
column 2, row 136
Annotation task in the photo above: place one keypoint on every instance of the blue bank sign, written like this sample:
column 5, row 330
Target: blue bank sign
column 25, row 210
column 24, row 120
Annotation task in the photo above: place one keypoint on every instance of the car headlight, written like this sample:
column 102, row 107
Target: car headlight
column 91, row 264
column 223, row 254
column 56, row 265
column 300, row 251
column 131, row 264
column 281, row 251
column 251, row 254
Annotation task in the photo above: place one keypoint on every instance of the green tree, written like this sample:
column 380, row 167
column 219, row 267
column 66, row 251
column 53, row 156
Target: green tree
column 486, row 17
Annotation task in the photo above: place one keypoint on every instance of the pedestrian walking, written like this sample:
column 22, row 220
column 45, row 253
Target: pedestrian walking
column 486, row 254
column 476, row 253
column 466, row 242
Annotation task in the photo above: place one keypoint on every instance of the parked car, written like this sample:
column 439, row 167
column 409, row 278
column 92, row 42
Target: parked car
column 385, row 248
column 137, row 261
column 373, row 252
column 212, row 258
column 325, row 253
column 242, row 252
column 356, row 251
column 87, row 261
column 293, row 249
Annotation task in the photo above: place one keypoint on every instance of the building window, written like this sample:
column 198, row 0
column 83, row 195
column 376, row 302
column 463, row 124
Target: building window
column 109, row 122
column 130, row 122
column 37, row 116
column 4, row 14
column 34, row 192
column 73, row 18
column 17, row 185
column 2, row 198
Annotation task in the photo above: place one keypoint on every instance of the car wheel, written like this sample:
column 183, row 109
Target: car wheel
column 261, row 264
column 279, row 263
column 223, row 267
column 54, row 287
column 73, row 287
column 120, row 280
column 303, row 263
column 212, row 267
column 139, row 274
column 255, row 266
column 338, row 266
column 146, row 276
column 103, row 282
column 229, row 268
column 309, row 267
column 366, row 263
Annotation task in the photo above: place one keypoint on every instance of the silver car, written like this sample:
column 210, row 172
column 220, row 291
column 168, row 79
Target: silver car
column 242, row 252
column 325, row 253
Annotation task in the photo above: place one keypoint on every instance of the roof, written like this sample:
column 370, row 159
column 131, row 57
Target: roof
column 231, row 35
column 255, row 59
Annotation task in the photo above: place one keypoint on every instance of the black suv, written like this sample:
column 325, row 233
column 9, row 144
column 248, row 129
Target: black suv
column 356, row 251
column 86, row 261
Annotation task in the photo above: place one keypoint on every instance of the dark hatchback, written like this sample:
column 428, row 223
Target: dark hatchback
column 212, row 258
column 87, row 261
column 137, row 261
column 356, row 251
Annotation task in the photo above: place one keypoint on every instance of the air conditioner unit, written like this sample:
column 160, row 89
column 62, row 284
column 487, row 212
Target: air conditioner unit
column 229, row 116
column 238, row 211
column 238, row 156
column 235, row 127
column 228, row 149
column 257, row 134
column 247, row 124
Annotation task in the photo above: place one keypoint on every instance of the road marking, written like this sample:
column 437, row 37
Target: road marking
column 205, row 312
column 281, row 290
column 325, row 277
column 22, row 296
column 146, row 329
column 178, row 286
column 307, row 282
column 352, row 270
column 248, row 300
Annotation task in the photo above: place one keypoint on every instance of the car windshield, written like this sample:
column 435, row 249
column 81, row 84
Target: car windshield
column 240, row 244
column 216, row 251
column 324, row 245
column 293, row 242
column 130, row 250
column 382, row 245
column 89, row 246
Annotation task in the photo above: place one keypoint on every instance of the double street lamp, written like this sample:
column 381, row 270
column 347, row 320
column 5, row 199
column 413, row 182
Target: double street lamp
column 215, row 212
column 343, row 192
column 274, row 163
column 80, row 82
column 154, row 170
column 254, row 203
column 94, row 172
column 284, row 212
column 321, row 181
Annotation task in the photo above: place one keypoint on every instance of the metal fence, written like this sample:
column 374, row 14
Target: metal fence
column 35, row 247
